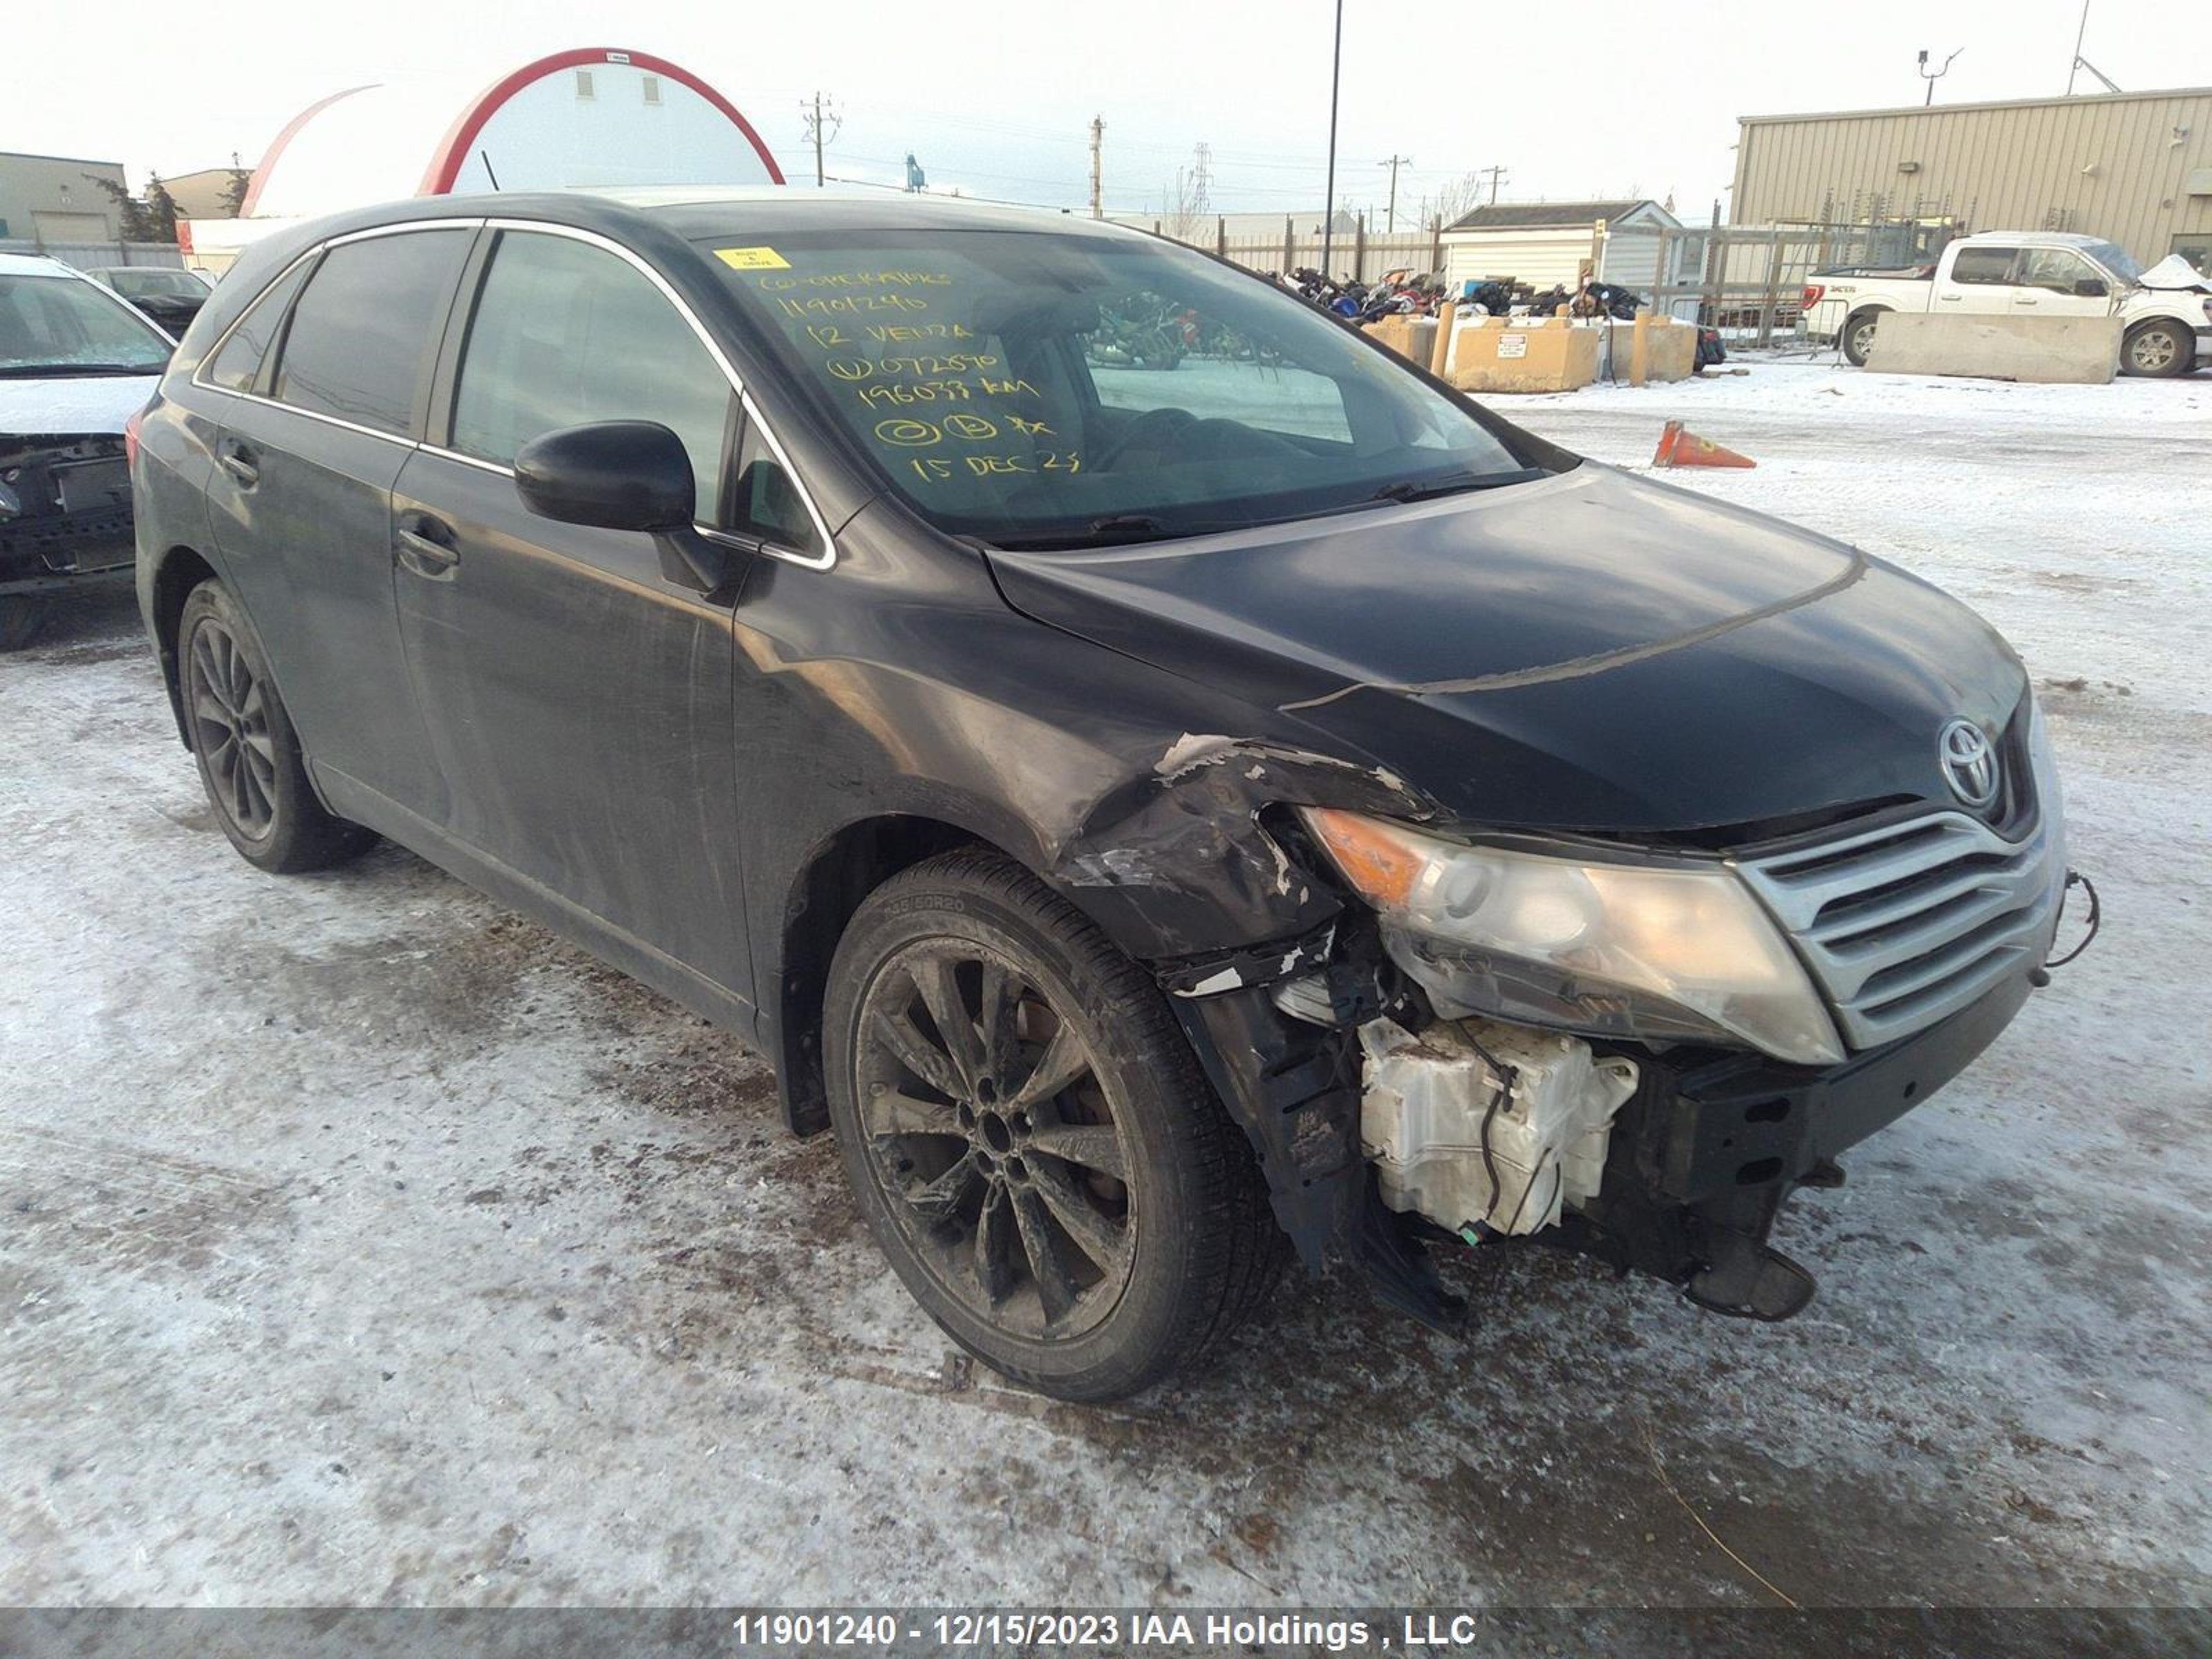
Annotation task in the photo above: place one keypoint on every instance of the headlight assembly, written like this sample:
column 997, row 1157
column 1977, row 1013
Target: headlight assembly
column 1664, row 954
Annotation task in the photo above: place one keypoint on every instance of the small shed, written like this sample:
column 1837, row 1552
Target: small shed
column 1541, row 243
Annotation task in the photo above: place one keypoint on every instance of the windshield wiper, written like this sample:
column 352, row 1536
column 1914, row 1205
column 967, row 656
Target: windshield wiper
column 1420, row 489
column 1114, row 528
column 66, row 371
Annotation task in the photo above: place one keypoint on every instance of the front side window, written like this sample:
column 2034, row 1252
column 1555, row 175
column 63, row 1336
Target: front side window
column 237, row 364
column 1983, row 265
column 364, row 334
column 566, row 333
column 1050, row 386
column 64, row 325
column 2055, row 268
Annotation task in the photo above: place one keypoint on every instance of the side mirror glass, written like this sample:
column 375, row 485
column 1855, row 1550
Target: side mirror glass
column 2090, row 287
column 614, row 475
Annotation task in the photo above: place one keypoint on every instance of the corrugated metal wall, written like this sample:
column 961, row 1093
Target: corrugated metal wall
column 2117, row 166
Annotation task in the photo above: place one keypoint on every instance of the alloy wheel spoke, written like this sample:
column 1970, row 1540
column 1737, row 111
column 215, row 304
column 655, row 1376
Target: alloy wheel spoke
column 940, row 993
column 1064, row 1061
column 207, row 707
column 920, row 1055
column 994, row 1238
column 936, row 1199
column 262, row 752
column 210, row 674
column 1088, row 1146
column 1055, row 1286
column 895, row 1113
column 998, row 1015
column 1105, row 1242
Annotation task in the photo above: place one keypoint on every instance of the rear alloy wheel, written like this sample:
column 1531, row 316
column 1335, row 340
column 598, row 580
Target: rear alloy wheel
column 242, row 737
column 2161, row 350
column 1030, row 1139
column 1858, row 337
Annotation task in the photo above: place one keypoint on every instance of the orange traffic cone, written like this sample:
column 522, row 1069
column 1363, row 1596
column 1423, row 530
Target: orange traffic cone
column 1681, row 448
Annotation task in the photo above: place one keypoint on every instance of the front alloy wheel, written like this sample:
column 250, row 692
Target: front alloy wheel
column 994, row 1141
column 1029, row 1137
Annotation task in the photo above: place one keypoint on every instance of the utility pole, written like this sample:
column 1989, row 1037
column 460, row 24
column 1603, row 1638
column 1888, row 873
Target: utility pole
column 1328, row 205
column 1496, row 174
column 1394, row 164
column 1097, row 139
column 822, row 126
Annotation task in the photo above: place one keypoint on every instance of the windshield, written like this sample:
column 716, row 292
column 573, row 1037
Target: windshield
column 1038, row 385
column 64, row 325
column 153, row 285
column 2116, row 259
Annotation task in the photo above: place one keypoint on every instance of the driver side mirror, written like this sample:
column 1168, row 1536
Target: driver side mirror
column 624, row 475
column 2090, row 287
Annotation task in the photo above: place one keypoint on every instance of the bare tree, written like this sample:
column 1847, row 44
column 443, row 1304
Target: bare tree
column 1449, row 201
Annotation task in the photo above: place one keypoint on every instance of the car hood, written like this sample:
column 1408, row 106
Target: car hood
column 81, row 404
column 2175, row 272
column 1591, row 652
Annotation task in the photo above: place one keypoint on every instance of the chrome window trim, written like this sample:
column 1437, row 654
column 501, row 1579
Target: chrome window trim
column 825, row 561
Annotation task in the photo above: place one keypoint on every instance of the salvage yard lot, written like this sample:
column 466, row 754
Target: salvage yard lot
column 364, row 1243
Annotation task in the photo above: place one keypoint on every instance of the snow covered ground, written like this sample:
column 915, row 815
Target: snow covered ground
column 362, row 1243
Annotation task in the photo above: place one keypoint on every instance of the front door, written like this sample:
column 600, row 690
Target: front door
column 2056, row 282
column 579, row 701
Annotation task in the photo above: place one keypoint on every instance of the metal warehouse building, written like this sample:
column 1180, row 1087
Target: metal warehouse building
column 2132, row 166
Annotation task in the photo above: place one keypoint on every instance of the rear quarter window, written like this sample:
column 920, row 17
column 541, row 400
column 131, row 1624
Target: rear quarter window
column 364, row 332
column 236, row 365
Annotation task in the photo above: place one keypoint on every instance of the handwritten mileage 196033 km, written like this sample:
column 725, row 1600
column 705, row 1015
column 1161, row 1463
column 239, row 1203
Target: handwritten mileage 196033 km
column 884, row 337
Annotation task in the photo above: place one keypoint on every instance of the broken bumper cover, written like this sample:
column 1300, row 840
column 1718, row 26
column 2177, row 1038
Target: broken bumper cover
column 1700, row 1161
column 65, row 514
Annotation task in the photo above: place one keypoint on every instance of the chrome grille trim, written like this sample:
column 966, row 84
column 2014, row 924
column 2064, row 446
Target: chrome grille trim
column 1907, row 924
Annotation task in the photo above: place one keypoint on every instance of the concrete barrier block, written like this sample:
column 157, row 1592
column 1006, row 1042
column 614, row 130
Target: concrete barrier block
column 2057, row 350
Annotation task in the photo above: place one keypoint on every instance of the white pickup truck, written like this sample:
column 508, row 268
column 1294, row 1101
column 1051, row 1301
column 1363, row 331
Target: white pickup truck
column 2167, row 309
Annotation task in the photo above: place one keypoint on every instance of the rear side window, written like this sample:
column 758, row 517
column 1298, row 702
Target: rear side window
column 565, row 333
column 363, row 335
column 237, row 366
column 1983, row 265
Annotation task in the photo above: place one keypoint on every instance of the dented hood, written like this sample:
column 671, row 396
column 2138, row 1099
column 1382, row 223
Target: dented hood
column 1590, row 652
column 2175, row 272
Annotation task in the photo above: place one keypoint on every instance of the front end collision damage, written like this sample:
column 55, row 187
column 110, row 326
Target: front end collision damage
column 1383, row 1127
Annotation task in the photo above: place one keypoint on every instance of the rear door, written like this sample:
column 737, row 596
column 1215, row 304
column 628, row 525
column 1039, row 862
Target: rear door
column 1980, row 282
column 579, row 701
column 325, row 402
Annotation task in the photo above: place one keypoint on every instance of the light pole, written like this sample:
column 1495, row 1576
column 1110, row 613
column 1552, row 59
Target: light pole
column 1328, row 205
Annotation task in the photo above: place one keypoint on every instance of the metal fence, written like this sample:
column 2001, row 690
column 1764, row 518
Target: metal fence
column 90, row 256
column 1355, row 252
column 1747, row 280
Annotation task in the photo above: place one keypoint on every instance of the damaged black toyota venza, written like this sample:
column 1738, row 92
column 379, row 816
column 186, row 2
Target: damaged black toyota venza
column 1166, row 810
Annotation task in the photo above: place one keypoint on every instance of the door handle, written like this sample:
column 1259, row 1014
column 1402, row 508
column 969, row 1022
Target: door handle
column 426, row 547
column 2027, row 302
column 1950, row 299
column 238, row 460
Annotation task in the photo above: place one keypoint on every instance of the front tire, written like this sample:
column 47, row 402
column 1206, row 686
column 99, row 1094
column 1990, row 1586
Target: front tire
column 1858, row 336
column 1030, row 1137
column 241, row 738
column 2160, row 351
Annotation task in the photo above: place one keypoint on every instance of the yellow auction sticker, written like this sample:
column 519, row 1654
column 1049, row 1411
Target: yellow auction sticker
column 752, row 258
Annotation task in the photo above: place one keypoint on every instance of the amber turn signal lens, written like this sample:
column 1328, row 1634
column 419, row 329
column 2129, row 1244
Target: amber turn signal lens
column 1380, row 865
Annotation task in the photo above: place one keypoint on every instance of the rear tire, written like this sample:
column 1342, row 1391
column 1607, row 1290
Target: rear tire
column 2160, row 351
column 1047, row 1170
column 248, row 755
column 1858, row 336
column 20, row 621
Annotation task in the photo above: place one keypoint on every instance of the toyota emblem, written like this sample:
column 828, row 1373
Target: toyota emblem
column 1969, row 762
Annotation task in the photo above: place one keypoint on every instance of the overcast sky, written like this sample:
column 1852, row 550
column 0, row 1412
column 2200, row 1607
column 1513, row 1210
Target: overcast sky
column 1592, row 99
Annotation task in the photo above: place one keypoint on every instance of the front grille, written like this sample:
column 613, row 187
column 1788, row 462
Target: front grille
column 1903, row 925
